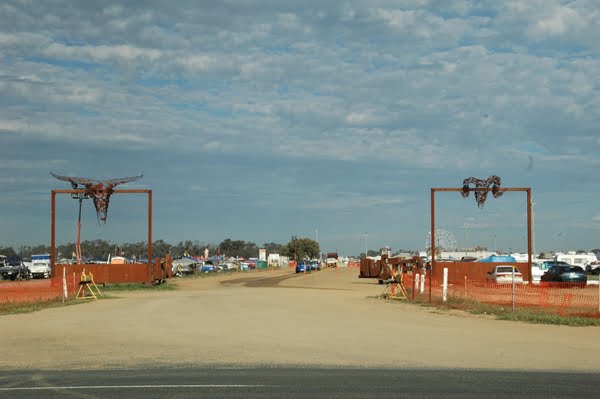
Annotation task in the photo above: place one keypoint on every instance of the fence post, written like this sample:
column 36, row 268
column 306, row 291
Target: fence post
column 422, row 290
column 445, row 286
column 64, row 284
column 417, row 282
column 513, row 288
column 465, row 286
column 430, row 280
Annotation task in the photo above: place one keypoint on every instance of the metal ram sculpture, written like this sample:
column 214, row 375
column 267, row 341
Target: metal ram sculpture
column 480, row 196
column 98, row 190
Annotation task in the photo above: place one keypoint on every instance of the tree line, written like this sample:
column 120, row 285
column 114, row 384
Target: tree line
column 296, row 248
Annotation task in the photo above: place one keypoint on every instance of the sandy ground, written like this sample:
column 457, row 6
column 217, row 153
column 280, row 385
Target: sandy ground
column 326, row 318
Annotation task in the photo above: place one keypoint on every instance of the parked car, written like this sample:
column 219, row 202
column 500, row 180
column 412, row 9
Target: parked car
column 315, row 265
column 505, row 274
column 302, row 266
column 40, row 269
column 549, row 264
column 247, row 264
column 210, row 267
column 566, row 274
column 231, row 264
column 539, row 268
column 15, row 272
column 185, row 266
column 593, row 268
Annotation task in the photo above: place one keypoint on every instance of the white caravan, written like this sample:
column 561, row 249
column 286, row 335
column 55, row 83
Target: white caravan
column 576, row 259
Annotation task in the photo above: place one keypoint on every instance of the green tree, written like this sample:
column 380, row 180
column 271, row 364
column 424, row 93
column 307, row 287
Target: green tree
column 191, row 248
column 7, row 251
column 273, row 248
column 137, row 249
column 160, row 248
column 238, row 248
column 301, row 248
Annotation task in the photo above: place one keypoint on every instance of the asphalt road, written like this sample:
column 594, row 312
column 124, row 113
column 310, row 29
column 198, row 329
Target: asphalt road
column 307, row 383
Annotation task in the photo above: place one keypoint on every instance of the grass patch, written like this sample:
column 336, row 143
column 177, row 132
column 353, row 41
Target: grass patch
column 546, row 318
column 505, row 312
column 29, row 307
column 593, row 277
column 120, row 287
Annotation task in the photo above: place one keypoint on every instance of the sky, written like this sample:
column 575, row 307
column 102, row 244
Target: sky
column 262, row 120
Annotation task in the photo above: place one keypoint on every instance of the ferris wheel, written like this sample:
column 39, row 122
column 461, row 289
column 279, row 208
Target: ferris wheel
column 444, row 241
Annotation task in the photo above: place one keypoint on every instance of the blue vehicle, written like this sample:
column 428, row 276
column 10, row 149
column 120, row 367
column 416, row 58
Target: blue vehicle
column 315, row 265
column 565, row 274
column 302, row 266
column 208, row 267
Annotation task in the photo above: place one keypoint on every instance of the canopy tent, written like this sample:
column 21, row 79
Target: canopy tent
column 498, row 258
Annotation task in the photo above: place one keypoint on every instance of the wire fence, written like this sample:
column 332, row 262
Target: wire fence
column 25, row 291
column 564, row 299
column 557, row 298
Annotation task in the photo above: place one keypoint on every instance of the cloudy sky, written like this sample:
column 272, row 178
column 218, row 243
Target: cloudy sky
column 259, row 120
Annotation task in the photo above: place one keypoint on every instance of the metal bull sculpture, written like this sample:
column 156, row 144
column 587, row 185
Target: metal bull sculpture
column 480, row 196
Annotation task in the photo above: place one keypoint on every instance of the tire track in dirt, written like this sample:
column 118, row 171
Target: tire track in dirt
column 273, row 282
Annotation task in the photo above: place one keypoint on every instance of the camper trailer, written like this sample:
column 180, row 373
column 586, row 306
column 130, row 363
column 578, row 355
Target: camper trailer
column 575, row 259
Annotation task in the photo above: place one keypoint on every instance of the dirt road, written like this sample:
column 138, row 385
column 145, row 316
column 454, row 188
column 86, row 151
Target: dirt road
column 327, row 318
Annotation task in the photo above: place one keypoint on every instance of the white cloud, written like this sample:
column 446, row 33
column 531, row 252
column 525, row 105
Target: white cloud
column 557, row 21
column 199, row 62
column 430, row 89
column 12, row 126
column 115, row 53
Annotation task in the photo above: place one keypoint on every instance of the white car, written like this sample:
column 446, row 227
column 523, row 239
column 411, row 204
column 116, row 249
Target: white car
column 40, row 269
column 504, row 274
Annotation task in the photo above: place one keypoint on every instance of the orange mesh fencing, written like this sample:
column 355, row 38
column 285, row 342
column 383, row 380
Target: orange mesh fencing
column 22, row 291
column 473, row 270
column 556, row 298
column 35, row 290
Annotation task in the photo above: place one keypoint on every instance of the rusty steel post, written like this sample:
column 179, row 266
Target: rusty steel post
column 149, row 226
column 80, row 191
column 476, row 189
column 52, row 228
column 432, row 242
column 529, row 249
column 504, row 189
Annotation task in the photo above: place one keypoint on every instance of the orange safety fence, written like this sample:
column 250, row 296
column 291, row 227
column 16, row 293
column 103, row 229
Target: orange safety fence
column 557, row 298
column 21, row 291
column 35, row 290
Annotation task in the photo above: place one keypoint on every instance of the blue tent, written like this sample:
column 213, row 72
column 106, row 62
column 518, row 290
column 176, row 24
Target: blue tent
column 499, row 258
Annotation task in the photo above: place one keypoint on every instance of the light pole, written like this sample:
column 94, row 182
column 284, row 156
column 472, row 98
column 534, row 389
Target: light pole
column 495, row 250
column 366, row 245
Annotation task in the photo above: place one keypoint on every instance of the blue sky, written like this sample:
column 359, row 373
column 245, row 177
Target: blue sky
column 260, row 120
